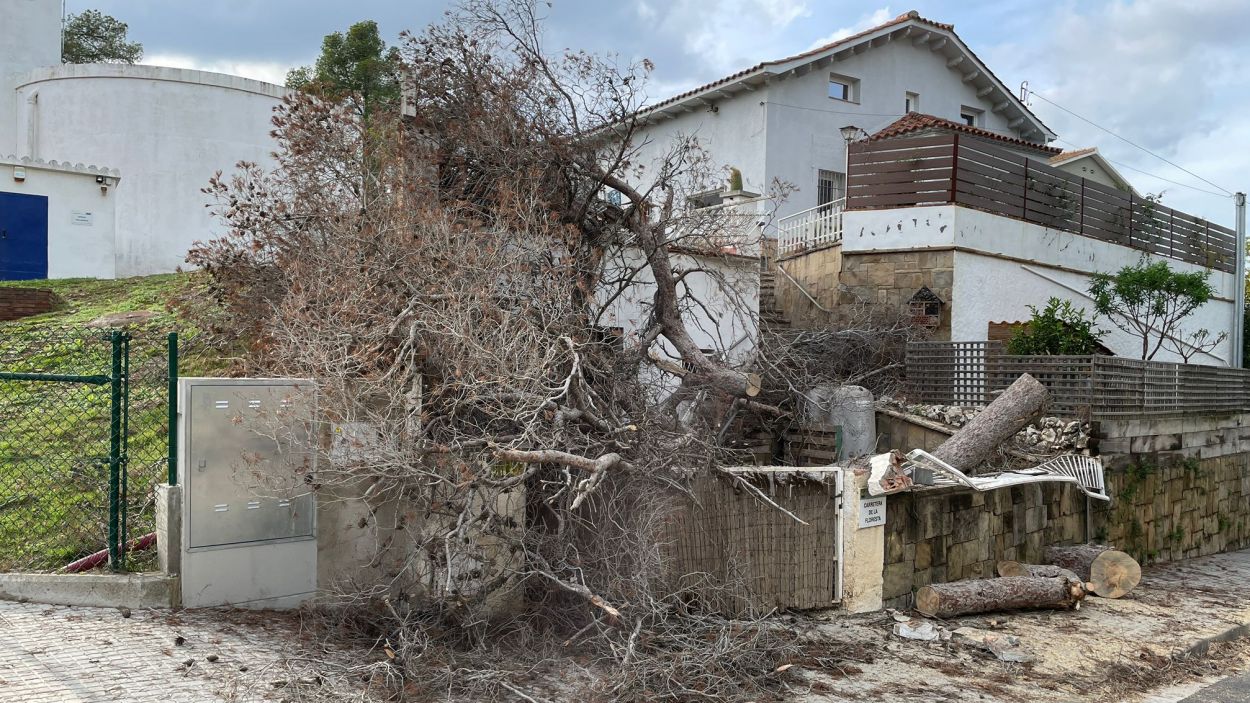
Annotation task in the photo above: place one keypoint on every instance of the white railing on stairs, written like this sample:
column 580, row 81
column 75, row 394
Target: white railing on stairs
column 810, row 229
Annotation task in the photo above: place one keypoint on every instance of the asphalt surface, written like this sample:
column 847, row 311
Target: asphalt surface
column 1234, row 689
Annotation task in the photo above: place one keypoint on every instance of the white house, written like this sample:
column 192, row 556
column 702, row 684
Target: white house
column 964, row 235
column 101, row 165
column 781, row 120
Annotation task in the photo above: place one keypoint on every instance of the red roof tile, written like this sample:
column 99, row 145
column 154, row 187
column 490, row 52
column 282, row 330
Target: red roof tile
column 916, row 121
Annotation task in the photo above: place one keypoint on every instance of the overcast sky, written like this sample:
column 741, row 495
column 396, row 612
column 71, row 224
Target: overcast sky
column 1166, row 74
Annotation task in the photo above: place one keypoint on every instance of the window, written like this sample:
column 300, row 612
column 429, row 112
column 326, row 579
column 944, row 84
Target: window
column 843, row 88
column 830, row 187
column 971, row 116
column 911, row 102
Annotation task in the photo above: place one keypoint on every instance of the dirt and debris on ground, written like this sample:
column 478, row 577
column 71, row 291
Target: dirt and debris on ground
column 1108, row 650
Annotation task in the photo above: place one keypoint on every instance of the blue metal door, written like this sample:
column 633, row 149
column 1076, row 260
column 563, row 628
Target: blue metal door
column 23, row 236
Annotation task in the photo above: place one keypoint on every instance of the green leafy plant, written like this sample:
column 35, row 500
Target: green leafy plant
column 735, row 180
column 1149, row 300
column 356, row 66
column 94, row 37
column 1058, row 328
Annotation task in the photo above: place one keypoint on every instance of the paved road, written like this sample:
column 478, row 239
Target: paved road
column 1234, row 689
column 53, row 654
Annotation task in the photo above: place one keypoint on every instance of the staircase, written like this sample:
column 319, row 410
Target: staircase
column 771, row 316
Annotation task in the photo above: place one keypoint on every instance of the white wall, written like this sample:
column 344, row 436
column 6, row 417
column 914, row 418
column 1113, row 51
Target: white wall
column 30, row 37
column 727, row 321
column 1044, row 263
column 81, row 217
column 788, row 129
column 167, row 130
column 803, row 121
column 733, row 136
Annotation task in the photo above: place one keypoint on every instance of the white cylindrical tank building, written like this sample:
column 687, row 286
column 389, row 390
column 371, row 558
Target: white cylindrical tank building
column 30, row 37
column 167, row 130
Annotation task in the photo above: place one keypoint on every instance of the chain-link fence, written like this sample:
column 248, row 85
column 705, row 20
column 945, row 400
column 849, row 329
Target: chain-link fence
column 84, row 441
column 56, row 443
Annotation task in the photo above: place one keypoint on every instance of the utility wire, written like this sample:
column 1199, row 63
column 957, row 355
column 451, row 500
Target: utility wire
column 1130, row 142
column 1121, row 164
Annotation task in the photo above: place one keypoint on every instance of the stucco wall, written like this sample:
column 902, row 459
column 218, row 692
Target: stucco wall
column 30, row 37
column 167, row 130
column 803, row 121
column 1002, row 265
column 788, row 129
column 726, row 321
column 81, row 217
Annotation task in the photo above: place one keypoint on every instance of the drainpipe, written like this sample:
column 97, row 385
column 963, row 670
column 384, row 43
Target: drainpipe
column 1239, row 285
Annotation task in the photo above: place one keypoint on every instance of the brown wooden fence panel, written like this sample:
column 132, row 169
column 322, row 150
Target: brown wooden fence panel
column 974, row 172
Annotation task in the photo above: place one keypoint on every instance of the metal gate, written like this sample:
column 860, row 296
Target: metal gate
column 72, row 490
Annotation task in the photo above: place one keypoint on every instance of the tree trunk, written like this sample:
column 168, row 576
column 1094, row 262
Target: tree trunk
column 1015, row 568
column 1107, row 572
column 1019, row 405
column 944, row 600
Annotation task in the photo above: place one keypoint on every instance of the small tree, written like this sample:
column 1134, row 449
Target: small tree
column 1149, row 301
column 1059, row 328
column 356, row 66
column 94, row 37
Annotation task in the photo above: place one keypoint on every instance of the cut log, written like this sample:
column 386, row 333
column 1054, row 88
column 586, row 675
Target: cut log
column 1050, row 571
column 944, row 600
column 1018, row 406
column 1107, row 572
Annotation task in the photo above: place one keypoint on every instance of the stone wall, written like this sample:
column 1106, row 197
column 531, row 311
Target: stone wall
column 1184, row 493
column 890, row 279
column 16, row 303
column 817, row 271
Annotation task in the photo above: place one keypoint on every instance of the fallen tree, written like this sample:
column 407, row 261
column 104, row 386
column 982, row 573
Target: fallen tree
column 944, row 600
column 1023, row 402
column 1107, row 572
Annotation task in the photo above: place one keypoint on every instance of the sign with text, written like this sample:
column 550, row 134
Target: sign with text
column 872, row 512
column 82, row 218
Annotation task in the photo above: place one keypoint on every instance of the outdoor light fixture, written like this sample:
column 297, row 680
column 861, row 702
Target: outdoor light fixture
column 850, row 133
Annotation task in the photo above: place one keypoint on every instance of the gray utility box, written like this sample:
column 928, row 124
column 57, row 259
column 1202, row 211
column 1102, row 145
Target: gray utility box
column 246, row 465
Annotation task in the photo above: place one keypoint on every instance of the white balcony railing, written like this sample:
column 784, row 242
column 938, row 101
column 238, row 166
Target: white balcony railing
column 810, row 229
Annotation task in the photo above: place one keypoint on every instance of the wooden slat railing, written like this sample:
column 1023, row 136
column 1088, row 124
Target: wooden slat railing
column 1090, row 387
column 965, row 170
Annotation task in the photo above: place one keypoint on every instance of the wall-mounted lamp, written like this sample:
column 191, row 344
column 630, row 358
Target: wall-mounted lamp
column 104, row 182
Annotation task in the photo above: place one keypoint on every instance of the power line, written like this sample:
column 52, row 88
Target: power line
column 1121, row 164
column 1127, row 141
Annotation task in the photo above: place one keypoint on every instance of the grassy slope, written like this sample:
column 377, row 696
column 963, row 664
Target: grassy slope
column 53, row 488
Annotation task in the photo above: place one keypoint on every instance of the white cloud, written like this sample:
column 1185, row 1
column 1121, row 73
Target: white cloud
column 1162, row 73
column 879, row 16
column 268, row 71
column 726, row 36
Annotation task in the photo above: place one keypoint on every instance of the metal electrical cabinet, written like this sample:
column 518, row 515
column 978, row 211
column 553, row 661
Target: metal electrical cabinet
column 249, row 511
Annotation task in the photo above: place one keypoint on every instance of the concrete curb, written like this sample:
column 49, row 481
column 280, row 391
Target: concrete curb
column 97, row 590
column 1200, row 648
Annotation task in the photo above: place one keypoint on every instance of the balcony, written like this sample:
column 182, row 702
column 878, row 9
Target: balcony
column 810, row 229
column 961, row 170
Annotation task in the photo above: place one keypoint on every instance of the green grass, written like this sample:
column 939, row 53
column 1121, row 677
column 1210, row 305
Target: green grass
column 54, row 436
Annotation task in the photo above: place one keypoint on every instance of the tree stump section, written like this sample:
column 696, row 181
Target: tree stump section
column 944, row 600
column 1107, row 572
column 1015, row 568
column 1019, row 405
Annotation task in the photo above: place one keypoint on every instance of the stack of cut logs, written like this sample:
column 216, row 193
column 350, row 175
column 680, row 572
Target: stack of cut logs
column 1072, row 572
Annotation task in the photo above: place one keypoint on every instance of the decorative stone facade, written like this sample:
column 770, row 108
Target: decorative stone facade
column 1180, row 488
column 888, row 279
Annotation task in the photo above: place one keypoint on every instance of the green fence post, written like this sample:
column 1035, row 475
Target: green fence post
column 172, row 461
column 115, row 447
